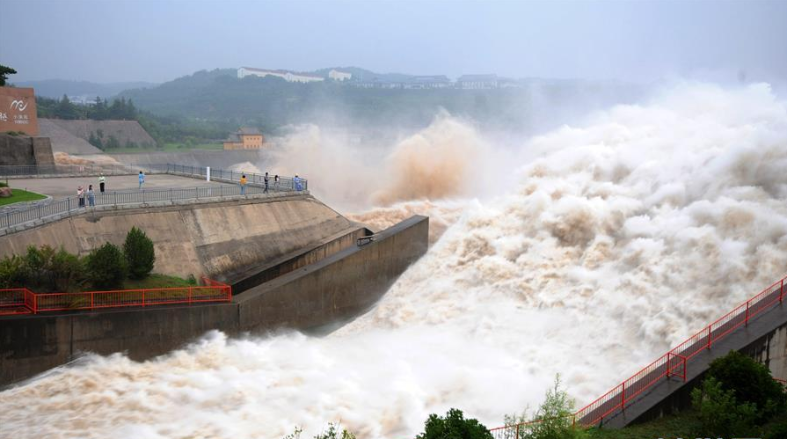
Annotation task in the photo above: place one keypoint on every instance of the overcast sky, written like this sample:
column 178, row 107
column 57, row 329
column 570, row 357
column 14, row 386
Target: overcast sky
column 156, row 41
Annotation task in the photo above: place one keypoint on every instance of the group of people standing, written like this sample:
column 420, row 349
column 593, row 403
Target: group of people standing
column 296, row 181
column 89, row 193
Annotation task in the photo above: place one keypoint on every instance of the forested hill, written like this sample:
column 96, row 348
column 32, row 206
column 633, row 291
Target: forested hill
column 270, row 103
column 55, row 88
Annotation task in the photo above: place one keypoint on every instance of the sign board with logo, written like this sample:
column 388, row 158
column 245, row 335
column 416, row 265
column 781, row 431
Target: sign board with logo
column 18, row 110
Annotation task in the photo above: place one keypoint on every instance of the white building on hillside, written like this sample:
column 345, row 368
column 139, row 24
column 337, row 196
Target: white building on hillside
column 339, row 76
column 284, row 74
column 477, row 82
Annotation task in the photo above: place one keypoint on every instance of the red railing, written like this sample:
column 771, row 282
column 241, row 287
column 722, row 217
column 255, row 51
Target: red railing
column 672, row 364
column 24, row 301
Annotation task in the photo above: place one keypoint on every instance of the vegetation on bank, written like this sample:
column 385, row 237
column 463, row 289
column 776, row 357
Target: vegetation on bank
column 20, row 196
column 45, row 269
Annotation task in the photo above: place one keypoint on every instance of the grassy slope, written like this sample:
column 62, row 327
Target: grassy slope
column 19, row 196
column 156, row 280
column 682, row 425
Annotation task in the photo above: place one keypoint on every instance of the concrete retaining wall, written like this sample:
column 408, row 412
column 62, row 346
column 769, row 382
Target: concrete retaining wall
column 336, row 288
column 200, row 239
column 24, row 150
column 260, row 274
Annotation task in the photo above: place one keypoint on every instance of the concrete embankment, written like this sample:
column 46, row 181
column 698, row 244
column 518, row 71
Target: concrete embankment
column 218, row 239
column 337, row 287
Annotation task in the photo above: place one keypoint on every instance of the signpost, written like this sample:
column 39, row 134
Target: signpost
column 18, row 110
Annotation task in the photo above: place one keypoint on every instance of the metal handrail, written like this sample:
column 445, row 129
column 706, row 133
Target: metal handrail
column 672, row 364
column 71, row 205
column 15, row 301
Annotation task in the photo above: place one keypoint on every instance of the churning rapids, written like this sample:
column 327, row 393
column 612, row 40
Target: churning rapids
column 620, row 237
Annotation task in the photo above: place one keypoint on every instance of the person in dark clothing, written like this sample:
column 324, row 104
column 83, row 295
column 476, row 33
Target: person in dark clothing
column 265, row 179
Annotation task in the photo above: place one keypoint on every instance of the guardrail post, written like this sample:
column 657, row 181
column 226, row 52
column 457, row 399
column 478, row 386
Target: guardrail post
column 190, row 294
column 781, row 292
column 143, row 298
column 746, row 322
column 710, row 335
column 623, row 396
column 669, row 364
column 517, row 430
column 685, row 371
column 92, row 300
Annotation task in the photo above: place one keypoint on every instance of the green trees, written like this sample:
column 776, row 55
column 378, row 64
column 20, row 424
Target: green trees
column 719, row 411
column 139, row 254
column 66, row 110
column 4, row 72
column 750, row 381
column 555, row 416
column 453, row 426
column 106, row 267
column 737, row 395
column 43, row 269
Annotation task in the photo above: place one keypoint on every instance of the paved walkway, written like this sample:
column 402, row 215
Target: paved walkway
column 59, row 188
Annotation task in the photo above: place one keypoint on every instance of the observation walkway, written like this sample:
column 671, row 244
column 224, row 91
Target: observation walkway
column 14, row 220
column 667, row 380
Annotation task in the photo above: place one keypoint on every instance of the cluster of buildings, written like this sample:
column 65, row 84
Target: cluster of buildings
column 293, row 76
column 464, row 82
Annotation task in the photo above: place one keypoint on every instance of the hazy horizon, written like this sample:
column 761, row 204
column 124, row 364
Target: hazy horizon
column 127, row 41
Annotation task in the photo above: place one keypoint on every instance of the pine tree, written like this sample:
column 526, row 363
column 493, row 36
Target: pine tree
column 140, row 254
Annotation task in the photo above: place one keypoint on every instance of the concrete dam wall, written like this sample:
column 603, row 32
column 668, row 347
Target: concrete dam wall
column 225, row 240
column 335, row 288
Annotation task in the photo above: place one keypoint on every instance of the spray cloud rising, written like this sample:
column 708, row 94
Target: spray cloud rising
column 623, row 237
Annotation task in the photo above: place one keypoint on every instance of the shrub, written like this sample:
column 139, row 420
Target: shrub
column 38, row 263
column 555, row 416
column 750, row 382
column 333, row 433
column 13, row 272
column 778, row 431
column 3, row 184
column 191, row 280
column 68, row 271
column 453, row 426
column 139, row 253
column 720, row 413
column 106, row 267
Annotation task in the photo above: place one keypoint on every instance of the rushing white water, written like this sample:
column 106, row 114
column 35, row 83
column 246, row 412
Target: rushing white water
column 623, row 237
